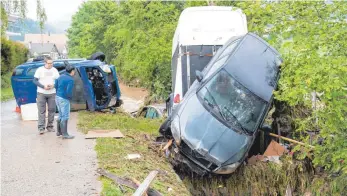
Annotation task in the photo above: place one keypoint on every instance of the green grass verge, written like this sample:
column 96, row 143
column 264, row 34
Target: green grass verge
column 6, row 94
column 112, row 152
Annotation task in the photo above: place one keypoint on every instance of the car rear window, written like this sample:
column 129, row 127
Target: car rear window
column 31, row 72
column 18, row 71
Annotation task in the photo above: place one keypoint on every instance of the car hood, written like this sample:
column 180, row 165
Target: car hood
column 209, row 137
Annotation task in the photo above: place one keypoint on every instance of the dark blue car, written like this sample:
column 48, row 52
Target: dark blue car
column 96, row 84
column 215, row 125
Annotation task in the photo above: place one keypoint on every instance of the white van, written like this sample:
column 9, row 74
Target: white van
column 200, row 32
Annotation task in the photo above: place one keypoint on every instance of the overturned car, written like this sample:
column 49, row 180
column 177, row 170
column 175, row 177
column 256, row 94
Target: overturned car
column 96, row 83
column 214, row 127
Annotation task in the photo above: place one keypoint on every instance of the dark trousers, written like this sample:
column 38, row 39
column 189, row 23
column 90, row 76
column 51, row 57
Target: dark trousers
column 42, row 100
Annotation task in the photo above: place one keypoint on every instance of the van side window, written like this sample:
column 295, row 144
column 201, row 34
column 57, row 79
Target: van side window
column 17, row 72
column 31, row 72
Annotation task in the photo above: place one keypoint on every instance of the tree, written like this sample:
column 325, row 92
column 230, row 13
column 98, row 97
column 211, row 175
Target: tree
column 20, row 7
column 137, row 38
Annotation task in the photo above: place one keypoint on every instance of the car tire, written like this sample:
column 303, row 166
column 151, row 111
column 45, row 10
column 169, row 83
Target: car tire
column 165, row 129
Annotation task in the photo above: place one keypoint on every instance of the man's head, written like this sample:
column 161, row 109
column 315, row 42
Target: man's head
column 70, row 69
column 48, row 62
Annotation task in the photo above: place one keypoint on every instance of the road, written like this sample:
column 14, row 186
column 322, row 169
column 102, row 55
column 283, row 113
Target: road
column 33, row 164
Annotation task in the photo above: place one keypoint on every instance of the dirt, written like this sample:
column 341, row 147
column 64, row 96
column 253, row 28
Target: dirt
column 133, row 92
column 35, row 164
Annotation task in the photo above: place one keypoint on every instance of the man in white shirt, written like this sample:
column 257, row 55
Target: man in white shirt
column 44, row 79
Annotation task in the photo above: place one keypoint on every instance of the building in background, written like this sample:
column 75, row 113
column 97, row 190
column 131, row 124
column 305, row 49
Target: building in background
column 12, row 27
column 46, row 40
column 43, row 49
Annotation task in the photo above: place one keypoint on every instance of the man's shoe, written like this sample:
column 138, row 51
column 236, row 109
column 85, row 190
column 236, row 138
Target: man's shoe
column 50, row 129
column 63, row 128
column 41, row 131
column 68, row 137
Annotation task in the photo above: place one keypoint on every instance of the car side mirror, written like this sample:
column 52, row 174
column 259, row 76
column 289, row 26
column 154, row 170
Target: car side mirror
column 199, row 75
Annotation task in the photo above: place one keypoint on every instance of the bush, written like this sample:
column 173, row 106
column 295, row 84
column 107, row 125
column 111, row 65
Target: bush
column 12, row 54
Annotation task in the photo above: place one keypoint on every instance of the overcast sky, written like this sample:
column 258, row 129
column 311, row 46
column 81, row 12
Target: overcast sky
column 58, row 12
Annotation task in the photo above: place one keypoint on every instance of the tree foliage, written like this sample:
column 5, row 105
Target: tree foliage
column 136, row 36
column 311, row 37
column 12, row 54
column 19, row 7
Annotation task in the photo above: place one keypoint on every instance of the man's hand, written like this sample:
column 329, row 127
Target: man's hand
column 48, row 87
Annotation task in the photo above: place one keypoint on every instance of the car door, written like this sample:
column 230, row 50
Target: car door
column 89, row 91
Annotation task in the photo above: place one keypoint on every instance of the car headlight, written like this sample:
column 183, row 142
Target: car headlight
column 175, row 129
column 228, row 169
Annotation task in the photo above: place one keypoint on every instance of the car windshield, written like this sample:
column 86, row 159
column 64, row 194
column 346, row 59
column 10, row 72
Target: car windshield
column 232, row 102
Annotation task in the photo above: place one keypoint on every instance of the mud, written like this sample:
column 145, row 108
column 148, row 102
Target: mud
column 33, row 164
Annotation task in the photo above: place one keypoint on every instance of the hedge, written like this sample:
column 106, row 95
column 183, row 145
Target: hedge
column 12, row 54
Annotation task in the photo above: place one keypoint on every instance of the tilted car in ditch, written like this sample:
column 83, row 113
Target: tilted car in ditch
column 214, row 127
column 96, row 83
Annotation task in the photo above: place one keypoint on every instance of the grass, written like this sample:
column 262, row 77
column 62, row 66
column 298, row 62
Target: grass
column 139, row 135
column 259, row 179
column 6, row 94
column 6, row 89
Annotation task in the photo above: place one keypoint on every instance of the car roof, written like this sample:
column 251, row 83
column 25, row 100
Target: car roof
column 76, row 62
column 255, row 64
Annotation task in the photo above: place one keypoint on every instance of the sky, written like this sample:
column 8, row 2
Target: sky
column 58, row 12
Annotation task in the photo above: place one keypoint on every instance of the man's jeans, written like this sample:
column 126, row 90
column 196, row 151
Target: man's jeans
column 63, row 108
column 42, row 100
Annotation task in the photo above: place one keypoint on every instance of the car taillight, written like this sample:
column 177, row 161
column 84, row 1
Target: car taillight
column 177, row 98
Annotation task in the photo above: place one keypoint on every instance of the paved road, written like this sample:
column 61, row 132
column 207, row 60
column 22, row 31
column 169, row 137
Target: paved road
column 44, row 165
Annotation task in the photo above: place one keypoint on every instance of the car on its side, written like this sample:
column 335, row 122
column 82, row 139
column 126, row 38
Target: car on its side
column 216, row 124
column 96, row 84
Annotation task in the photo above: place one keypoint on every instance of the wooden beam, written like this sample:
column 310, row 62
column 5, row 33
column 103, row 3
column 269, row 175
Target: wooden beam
column 126, row 182
column 167, row 145
column 290, row 140
column 145, row 184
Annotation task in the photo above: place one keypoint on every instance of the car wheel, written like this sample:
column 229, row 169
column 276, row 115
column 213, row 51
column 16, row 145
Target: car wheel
column 165, row 129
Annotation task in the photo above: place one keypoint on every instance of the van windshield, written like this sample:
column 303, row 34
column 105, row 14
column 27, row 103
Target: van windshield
column 232, row 102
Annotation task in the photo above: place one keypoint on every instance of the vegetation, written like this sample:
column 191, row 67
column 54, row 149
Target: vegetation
column 258, row 179
column 6, row 94
column 112, row 152
column 12, row 54
column 19, row 7
column 137, row 37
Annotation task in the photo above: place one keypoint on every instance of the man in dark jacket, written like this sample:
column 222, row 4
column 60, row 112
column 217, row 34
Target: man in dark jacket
column 64, row 85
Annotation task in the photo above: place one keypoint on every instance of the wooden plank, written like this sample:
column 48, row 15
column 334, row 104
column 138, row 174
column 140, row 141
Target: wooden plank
column 167, row 145
column 104, row 133
column 145, row 184
column 117, row 179
column 290, row 140
column 126, row 182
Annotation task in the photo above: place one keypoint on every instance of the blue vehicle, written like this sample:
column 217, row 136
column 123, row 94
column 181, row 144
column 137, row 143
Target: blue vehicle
column 96, row 84
column 215, row 125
